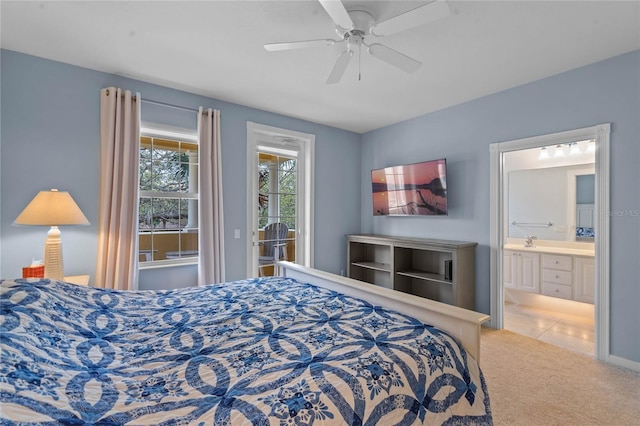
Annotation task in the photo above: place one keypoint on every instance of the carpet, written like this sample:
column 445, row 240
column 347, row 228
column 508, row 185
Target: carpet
column 534, row 383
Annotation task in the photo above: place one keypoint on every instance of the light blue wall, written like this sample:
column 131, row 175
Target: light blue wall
column 50, row 132
column 50, row 138
column 605, row 92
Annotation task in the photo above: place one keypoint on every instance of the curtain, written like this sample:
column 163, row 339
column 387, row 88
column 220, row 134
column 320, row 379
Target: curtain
column 210, row 208
column 117, row 265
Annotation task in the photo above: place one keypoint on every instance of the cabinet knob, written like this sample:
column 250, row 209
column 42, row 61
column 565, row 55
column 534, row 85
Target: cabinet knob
column 557, row 277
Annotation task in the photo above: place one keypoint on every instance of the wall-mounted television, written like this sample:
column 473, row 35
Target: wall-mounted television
column 410, row 189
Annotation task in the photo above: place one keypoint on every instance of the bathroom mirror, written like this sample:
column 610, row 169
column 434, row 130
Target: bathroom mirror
column 551, row 202
column 585, row 207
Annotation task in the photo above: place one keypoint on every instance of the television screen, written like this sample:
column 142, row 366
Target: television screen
column 410, row 189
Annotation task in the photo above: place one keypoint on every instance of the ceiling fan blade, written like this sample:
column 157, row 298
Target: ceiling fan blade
column 274, row 47
column 430, row 12
column 393, row 57
column 339, row 67
column 335, row 9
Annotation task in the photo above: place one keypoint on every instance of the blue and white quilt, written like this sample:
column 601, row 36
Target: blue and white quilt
column 266, row 351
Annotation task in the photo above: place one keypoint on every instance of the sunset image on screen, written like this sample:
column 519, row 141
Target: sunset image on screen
column 413, row 189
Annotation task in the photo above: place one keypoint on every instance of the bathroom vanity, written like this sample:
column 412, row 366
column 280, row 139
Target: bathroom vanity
column 555, row 269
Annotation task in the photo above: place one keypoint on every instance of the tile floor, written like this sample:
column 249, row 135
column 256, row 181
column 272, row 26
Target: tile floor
column 571, row 332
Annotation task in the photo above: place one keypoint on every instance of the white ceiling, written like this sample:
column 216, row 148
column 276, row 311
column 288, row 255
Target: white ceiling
column 215, row 48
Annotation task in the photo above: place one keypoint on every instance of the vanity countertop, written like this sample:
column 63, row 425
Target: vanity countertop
column 571, row 251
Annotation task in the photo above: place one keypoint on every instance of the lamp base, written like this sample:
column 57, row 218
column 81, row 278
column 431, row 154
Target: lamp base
column 53, row 255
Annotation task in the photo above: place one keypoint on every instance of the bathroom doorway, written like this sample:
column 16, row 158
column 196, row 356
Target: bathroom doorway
column 528, row 276
column 548, row 256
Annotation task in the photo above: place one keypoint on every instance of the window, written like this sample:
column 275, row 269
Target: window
column 277, row 190
column 168, row 191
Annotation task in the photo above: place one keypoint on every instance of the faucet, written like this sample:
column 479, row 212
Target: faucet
column 529, row 242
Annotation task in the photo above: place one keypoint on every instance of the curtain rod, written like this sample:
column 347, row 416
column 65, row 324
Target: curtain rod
column 149, row 101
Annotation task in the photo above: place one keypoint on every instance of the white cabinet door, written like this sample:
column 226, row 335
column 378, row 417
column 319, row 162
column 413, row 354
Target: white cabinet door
column 522, row 271
column 528, row 267
column 509, row 272
column 584, row 279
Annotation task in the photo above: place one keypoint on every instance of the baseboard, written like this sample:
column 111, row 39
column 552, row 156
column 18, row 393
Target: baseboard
column 623, row 362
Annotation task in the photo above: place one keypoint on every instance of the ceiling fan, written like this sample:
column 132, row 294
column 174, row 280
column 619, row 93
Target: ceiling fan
column 356, row 26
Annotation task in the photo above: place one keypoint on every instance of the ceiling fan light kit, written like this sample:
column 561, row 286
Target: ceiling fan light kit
column 355, row 26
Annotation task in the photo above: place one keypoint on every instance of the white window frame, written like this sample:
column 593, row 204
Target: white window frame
column 157, row 131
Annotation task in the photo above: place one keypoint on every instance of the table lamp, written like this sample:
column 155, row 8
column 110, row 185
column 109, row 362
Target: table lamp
column 52, row 208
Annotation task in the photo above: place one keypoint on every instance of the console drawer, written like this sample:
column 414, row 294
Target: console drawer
column 556, row 290
column 557, row 277
column 557, row 262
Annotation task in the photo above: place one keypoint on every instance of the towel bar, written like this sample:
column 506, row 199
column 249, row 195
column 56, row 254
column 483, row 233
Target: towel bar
column 547, row 224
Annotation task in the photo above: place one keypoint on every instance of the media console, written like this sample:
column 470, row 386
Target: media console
column 440, row 270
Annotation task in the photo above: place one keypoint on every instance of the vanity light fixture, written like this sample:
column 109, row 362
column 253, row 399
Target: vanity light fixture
column 574, row 150
column 544, row 154
column 562, row 150
column 583, row 146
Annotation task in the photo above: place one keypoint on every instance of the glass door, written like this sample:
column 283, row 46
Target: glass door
column 280, row 169
column 277, row 189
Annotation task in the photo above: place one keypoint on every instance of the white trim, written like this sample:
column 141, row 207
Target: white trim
column 282, row 140
column 601, row 135
column 154, row 194
column 164, row 263
column 602, row 243
column 623, row 362
column 496, row 236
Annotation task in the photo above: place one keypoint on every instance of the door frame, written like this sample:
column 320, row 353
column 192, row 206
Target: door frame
column 601, row 135
column 287, row 140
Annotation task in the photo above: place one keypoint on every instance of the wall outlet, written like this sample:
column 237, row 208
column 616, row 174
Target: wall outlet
column 236, row 233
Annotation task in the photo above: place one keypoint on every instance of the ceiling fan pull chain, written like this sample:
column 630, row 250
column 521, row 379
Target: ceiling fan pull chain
column 359, row 61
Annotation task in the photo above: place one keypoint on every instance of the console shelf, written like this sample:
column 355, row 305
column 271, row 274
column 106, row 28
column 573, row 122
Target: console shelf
column 441, row 270
column 427, row 276
column 373, row 265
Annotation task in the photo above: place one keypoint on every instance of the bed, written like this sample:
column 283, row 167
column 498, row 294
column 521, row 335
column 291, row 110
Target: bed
column 305, row 348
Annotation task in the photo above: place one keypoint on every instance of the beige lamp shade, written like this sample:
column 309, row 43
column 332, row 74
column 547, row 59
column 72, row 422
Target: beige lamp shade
column 52, row 208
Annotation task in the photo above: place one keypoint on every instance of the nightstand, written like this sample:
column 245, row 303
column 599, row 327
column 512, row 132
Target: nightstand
column 78, row 279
